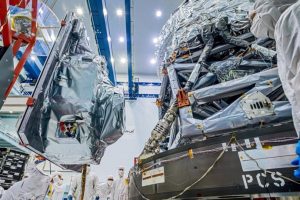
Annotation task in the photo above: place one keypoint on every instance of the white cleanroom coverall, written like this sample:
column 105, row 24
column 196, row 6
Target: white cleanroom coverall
column 285, row 27
column 265, row 15
column 105, row 188
column 105, row 191
column 32, row 188
column 120, row 188
column 287, row 36
column 58, row 187
column 1, row 191
column 91, row 187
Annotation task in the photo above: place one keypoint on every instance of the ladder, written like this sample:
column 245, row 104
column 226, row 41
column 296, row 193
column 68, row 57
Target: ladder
column 12, row 42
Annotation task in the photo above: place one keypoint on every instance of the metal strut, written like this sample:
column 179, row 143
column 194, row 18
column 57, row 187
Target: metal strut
column 9, row 35
column 83, row 181
column 160, row 132
column 200, row 64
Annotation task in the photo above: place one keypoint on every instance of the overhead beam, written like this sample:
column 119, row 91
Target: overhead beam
column 101, row 29
column 129, row 48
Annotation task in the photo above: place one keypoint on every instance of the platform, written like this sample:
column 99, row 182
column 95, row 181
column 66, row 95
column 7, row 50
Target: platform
column 235, row 175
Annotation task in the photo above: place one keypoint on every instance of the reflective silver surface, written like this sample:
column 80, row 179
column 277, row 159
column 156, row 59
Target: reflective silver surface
column 207, row 48
column 77, row 111
column 187, row 21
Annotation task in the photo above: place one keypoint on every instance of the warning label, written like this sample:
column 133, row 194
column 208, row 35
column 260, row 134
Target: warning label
column 153, row 176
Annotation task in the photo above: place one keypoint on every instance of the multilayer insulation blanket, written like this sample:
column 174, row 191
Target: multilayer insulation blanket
column 77, row 111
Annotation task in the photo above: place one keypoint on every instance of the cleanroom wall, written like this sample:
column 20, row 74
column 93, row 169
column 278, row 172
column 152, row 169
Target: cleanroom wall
column 141, row 117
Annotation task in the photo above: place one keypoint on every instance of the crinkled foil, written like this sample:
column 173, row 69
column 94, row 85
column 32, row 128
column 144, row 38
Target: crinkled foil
column 77, row 112
column 186, row 22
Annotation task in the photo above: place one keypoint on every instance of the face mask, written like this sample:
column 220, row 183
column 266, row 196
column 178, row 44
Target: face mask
column 121, row 173
column 110, row 182
column 60, row 182
column 56, row 179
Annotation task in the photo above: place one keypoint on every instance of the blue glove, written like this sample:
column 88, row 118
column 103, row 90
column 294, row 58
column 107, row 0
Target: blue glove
column 70, row 197
column 297, row 161
column 97, row 198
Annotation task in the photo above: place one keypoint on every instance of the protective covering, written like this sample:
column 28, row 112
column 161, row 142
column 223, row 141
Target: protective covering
column 227, row 75
column 105, row 191
column 251, row 101
column 77, row 112
column 288, row 45
column 91, row 187
column 265, row 15
column 191, row 19
column 119, row 189
column 33, row 187
column 58, row 187
column 1, row 191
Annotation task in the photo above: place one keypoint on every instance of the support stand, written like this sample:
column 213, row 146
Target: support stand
column 83, row 181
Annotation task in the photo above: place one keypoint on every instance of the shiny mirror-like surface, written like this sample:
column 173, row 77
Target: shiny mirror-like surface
column 77, row 112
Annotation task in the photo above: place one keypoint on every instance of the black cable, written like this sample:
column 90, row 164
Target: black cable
column 142, row 195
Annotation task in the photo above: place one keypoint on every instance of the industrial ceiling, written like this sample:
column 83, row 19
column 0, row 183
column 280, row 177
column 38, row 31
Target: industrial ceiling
column 148, row 17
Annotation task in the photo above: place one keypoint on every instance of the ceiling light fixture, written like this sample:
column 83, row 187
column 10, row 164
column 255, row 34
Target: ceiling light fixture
column 32, row 57
column 112, row 60
column 121, row 39
column 79, row 11
column 109, row 39
column 41, row 11
column 52, row 37
column 104, row 12
column 158, row 13
column 119, row 12
column 155, row 40
column 153, row 61
column 123, row 60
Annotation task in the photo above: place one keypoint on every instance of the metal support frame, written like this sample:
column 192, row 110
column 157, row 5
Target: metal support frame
column 101, row 29
column 229, row 167
column 129, row 49
column 19, row 67
column 143, row 83
column 5, row 24
column 19, row 3
column 83, row 181
column 8, row 35
column 137, row 93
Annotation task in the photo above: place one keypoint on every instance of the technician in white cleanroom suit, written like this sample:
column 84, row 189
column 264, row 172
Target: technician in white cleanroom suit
column 58, row 186
column 287, row 36
column 91, row 186
column 34, row 187
column 1, row 191
column 120, row 187
column 281, row 20
column 265, row 15
column 105, row 189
